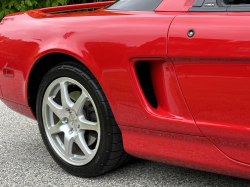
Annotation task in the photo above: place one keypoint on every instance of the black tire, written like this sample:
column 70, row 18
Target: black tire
column 110, row 153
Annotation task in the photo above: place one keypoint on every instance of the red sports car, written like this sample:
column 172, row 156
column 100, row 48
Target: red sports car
column 162, row 80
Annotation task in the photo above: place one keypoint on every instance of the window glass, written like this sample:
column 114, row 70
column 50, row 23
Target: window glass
column 236, row 2
column 136, row 5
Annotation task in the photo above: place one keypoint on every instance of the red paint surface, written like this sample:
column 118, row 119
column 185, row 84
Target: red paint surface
column 181, row 150
column 171, row 107
column 213, row 70
column 175, row 5
column 107, row 57
column 201, row 83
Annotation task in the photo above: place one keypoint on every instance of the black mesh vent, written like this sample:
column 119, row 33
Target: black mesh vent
column 144, row 76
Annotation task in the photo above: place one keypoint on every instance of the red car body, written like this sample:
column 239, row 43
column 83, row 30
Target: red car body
column 202, row 83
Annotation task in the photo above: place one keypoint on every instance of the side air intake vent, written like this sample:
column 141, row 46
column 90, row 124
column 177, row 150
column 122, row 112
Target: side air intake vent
column 144, row 76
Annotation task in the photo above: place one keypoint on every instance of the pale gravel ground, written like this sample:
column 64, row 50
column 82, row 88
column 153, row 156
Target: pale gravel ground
column 24, row 161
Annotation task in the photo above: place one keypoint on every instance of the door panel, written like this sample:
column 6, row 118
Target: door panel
column 213, row 69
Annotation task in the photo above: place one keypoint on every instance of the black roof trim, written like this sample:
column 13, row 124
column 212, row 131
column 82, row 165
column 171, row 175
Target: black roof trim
column 217, row 6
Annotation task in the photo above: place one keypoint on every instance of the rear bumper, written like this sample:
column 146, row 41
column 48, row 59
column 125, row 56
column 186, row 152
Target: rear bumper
column 22, row 109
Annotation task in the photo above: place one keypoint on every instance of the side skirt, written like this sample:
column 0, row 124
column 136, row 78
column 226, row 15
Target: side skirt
column 194, row 152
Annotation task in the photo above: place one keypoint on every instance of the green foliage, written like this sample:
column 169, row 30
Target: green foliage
column 11, row 6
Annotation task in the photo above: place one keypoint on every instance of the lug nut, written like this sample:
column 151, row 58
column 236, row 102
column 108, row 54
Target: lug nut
column 65, row 120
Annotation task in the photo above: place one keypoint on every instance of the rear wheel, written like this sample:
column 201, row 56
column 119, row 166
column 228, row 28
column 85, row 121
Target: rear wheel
column 76, row 122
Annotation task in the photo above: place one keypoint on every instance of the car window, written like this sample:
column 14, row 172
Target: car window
column 236, row 2
column 136, row 5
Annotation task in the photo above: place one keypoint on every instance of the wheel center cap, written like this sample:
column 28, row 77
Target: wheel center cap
column 72, row 120
column 72, row 117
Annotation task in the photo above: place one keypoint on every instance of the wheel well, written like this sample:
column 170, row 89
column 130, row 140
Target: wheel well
column 39, row 70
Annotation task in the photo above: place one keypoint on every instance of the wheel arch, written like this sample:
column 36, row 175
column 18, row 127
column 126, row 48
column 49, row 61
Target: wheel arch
column 39, row 69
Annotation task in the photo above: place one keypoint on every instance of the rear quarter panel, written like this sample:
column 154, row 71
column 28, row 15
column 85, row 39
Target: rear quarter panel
column 105, row 41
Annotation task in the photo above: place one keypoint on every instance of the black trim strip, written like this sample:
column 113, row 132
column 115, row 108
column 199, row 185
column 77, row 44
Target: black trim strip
column 219, row 6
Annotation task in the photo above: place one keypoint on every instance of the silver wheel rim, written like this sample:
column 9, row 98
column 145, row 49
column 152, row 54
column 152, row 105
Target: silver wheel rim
column 71, row 121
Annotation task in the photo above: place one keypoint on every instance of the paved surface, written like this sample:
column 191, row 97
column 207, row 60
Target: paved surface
column 24, row 161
